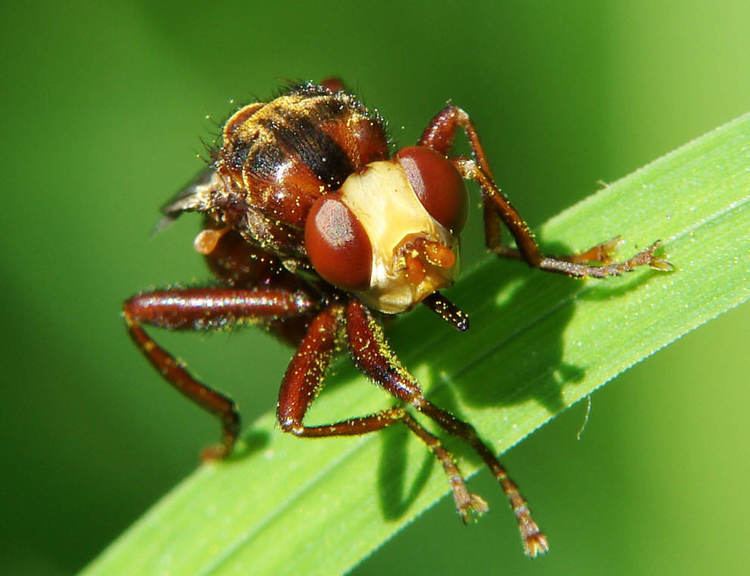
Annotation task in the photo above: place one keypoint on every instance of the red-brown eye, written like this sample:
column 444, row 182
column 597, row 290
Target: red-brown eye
column 337, row 244
column 438, row 185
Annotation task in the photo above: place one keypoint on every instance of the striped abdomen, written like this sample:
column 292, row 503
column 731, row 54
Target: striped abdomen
column 284, row 154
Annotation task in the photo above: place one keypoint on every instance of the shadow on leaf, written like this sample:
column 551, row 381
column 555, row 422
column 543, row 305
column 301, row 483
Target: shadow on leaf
column 513, row 353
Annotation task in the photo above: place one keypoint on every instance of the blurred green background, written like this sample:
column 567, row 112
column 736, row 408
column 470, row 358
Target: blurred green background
column 103, row 108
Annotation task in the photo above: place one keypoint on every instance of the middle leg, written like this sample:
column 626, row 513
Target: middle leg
column 303, row 381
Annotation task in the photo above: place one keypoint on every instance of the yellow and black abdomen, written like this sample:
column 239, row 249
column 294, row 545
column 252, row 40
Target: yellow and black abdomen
column 284, row 154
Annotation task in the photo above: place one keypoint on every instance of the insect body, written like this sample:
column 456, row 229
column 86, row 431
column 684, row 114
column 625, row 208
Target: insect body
column 314, row 231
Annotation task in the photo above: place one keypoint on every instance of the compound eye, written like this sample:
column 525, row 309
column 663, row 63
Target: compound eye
column 438, row 185
column 337, row 244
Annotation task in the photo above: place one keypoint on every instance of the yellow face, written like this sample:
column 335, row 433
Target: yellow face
column 412, row 253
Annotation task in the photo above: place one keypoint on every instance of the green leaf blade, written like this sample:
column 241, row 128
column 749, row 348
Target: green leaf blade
column 538, row 344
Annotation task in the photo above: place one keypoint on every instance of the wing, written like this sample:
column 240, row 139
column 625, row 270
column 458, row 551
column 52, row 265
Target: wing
column 195, row 197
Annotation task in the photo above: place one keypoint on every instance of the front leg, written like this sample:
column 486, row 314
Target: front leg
column 205, row 308
column 440, row 135
column 373, row 357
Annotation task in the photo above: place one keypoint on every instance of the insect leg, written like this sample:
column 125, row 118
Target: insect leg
column 303, row 381
column 440, row 135
column 577, row 265
column 197, row 309
column 373, row 356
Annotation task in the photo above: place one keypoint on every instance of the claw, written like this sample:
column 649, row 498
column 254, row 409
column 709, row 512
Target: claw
column 658, row 262
column 605, row 251
column 472, row 509
column 214, row 452
column 601, row 253
column 661, row 264
column 535, row 544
